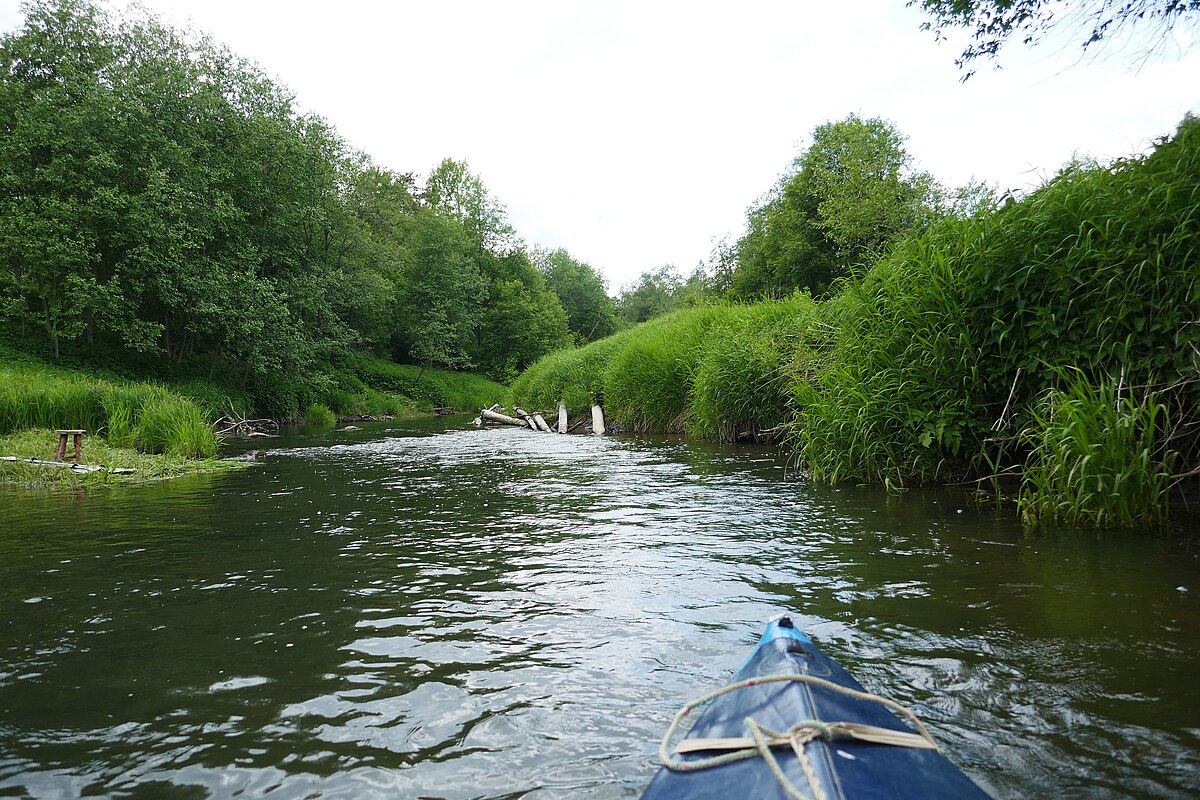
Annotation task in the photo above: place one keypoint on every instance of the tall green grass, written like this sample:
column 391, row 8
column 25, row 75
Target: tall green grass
column 932, row 366
column 144, row 416
column 893, row 395
column 648, row 380
column 319, row 416
column 714, row 371
column 1095, row 458
column 429, row 388
column 741, row 383
column 574, row 375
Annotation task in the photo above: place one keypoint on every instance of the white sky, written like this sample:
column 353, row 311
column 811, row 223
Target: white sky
column 635, row 134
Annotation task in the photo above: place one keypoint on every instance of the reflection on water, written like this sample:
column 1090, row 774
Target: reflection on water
column 425, row 612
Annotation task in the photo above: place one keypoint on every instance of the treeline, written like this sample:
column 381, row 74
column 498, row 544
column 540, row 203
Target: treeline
column 837, row 207
column 1050, row 342
column 162, row 196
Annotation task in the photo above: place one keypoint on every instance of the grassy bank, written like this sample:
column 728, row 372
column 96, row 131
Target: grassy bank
column 122, row 464
column 161, row 429
column 143, row 417
column 348, row 384
column 713, row 372
column 1054, row 340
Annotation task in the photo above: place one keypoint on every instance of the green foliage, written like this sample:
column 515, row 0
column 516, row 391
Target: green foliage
column 843, row 200
column 994, row 22
column 591, row 313
column 319, row 416
column 175, row 427
column 715, row 370
column 742, row 382
column 648, row 380
column 142, row 416
column 161, row 196
column 1095, row 456
column 893, row 395
column 574, row 376
column 661, row 291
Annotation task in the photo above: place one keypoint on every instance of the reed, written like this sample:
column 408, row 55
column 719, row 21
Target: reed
column 1095, row 458
column 741, row 383
column 892, row 395
column 574, row 375
column 144, row 416
column 648, row 378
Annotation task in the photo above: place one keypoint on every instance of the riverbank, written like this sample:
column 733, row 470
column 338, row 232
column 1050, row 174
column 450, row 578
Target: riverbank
column 162, row 428
column 1052, row 340
column 108, row 465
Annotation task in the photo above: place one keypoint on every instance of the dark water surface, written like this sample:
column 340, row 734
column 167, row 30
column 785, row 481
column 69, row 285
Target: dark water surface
column 428, row 611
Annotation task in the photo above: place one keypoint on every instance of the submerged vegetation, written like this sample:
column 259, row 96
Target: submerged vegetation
column 1055, row 339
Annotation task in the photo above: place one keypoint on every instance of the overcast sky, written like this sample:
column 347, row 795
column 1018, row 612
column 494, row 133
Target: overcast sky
column 635, row 134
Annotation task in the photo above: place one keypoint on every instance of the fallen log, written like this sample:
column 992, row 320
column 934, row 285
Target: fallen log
column 525, row 415
column 541, row 423
column 597, row 420
column 495, row 416
column 562, row 417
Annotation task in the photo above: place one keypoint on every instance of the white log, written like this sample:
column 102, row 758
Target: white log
column 597, row 420
column 541, row 423
column 562, row 417
column 493, row 416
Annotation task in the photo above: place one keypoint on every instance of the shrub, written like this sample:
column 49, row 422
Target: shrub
column 319, row 416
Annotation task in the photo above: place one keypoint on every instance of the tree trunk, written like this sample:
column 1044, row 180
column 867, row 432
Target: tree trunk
column 597, row 420
column 562, row 417
column 495, row 416
column 541, row 424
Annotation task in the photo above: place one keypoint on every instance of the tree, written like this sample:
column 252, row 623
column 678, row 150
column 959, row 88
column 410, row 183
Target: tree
column 850, row 194
column 651, row 295
column 992, row 23
column 591, row 313
column 866, row 189
column 453, row 188
column 443, row 293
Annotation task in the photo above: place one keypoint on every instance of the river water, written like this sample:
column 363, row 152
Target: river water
column 424, row 610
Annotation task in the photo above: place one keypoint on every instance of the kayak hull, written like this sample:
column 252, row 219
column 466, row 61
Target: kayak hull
column 845, row 768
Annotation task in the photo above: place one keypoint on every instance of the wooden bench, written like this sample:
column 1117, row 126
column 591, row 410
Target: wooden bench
column 62, row 445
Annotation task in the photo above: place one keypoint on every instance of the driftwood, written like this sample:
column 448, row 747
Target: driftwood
column 73, row 467
column 523, row 419
column 237, row 425
column 488, row 415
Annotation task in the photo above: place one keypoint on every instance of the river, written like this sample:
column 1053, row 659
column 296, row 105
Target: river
column 425, row 610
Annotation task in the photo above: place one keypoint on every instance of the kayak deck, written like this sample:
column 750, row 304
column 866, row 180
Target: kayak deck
column 846, row 768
